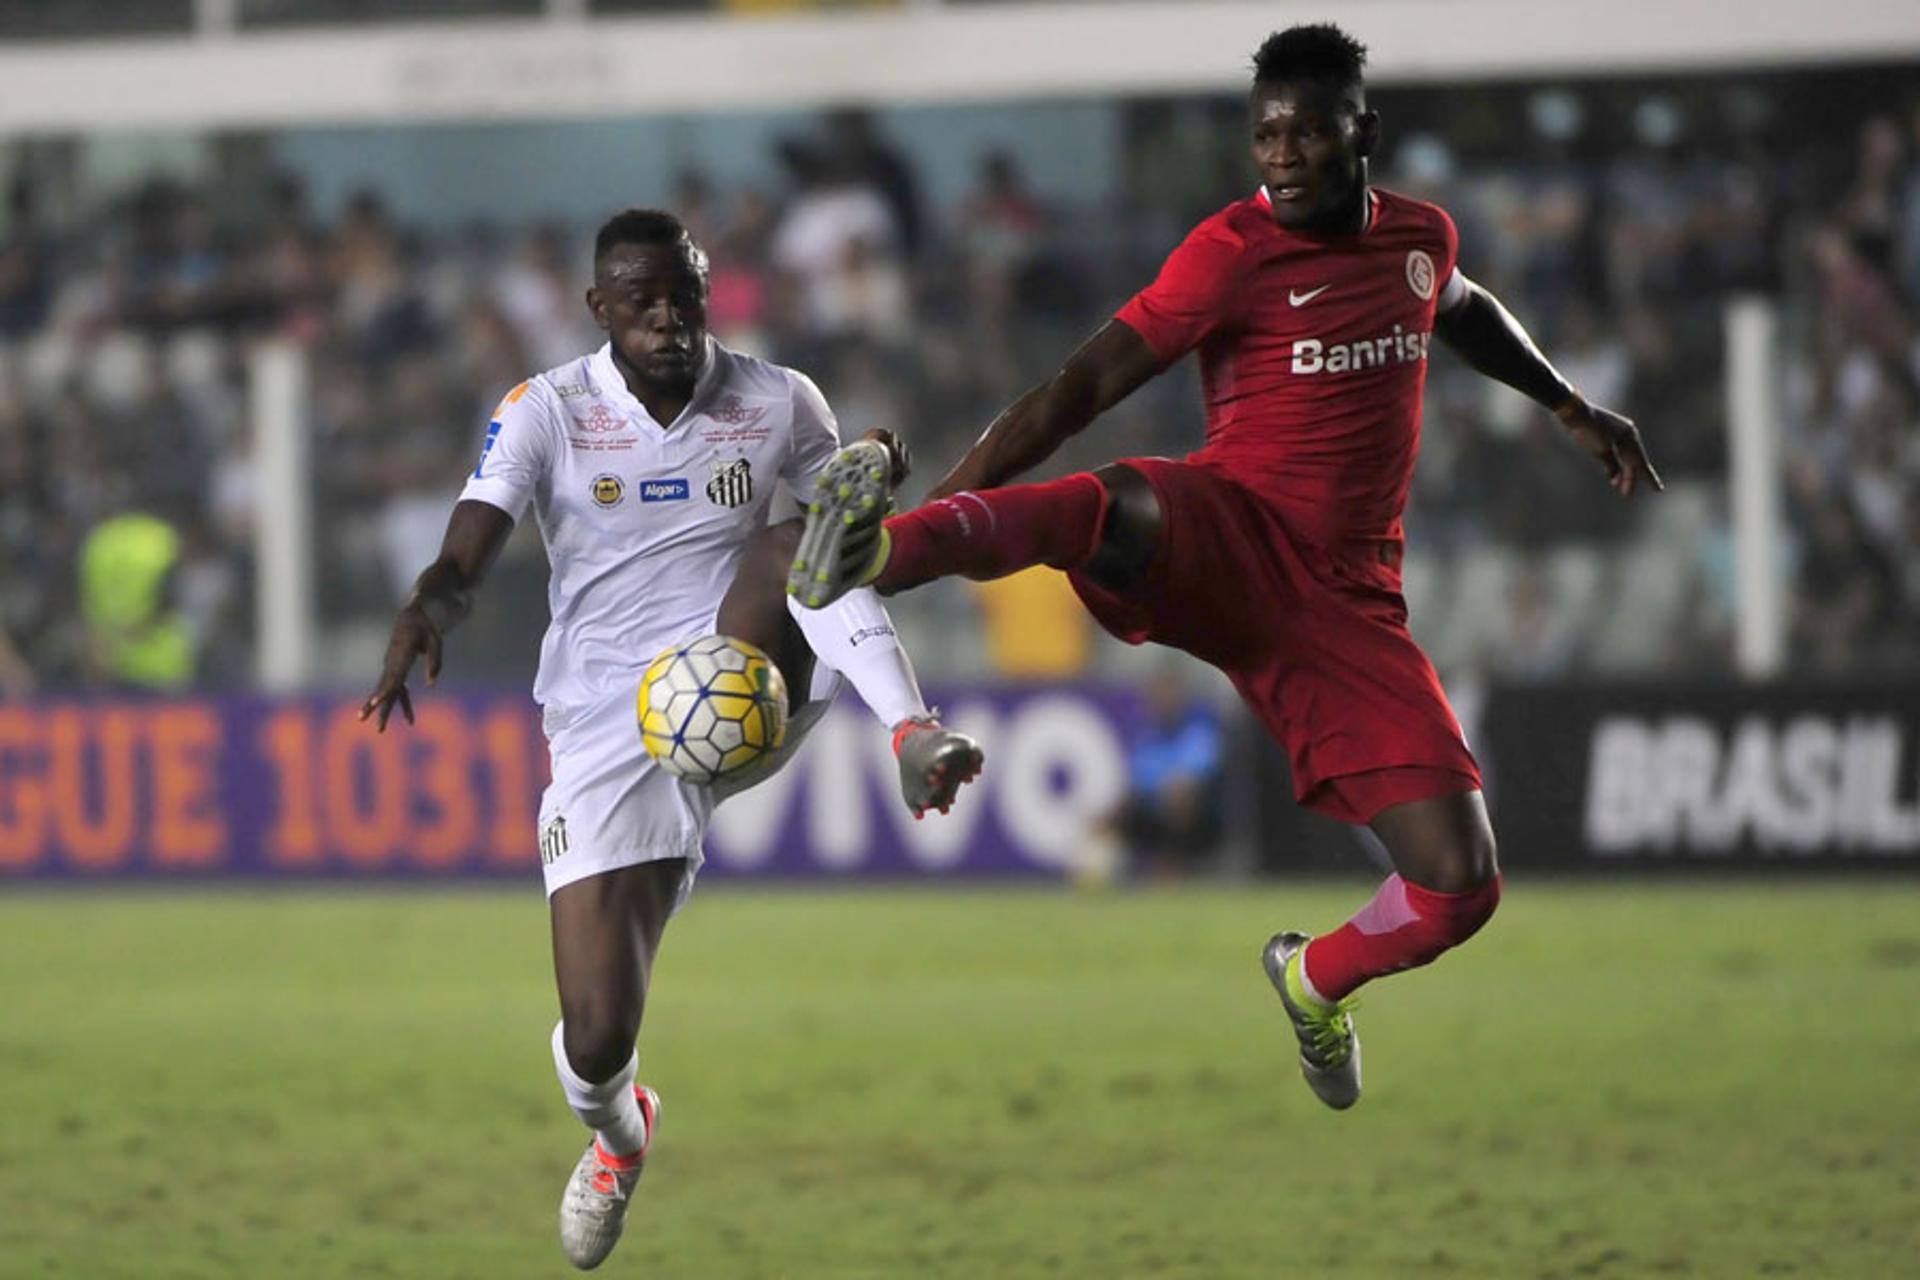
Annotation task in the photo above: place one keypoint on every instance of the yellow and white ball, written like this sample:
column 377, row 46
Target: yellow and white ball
column 711, row 706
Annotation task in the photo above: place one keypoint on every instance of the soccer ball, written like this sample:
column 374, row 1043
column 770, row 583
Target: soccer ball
column 711, row 706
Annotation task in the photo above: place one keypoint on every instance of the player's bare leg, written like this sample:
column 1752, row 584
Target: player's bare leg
column 755, row 606
column 1444, row 844
column 606, row 933
column 1446, row 884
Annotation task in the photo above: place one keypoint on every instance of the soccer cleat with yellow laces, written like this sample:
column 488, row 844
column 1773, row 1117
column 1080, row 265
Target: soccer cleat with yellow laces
column 1329, row 1046
column 845, row 542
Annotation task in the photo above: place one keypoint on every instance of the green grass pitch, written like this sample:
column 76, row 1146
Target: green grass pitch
column 1615, row 1080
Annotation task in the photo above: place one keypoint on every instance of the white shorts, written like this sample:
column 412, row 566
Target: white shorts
column 610, row 805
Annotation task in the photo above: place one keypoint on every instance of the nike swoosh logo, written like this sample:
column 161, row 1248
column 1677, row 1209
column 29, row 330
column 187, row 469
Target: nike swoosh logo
column 1302, row 299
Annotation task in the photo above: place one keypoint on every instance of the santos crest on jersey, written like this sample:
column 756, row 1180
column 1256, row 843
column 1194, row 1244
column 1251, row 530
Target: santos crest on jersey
column 643, row 521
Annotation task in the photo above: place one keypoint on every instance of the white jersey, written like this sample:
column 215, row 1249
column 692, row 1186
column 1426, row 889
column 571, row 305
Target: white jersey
column 644, row 522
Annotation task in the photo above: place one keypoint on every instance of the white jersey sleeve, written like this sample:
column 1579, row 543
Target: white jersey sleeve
column 518, row 453
column 816, row 435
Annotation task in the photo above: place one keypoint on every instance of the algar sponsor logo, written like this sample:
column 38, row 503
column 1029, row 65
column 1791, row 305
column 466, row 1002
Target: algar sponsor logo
column 1311, row 355
column 674, row 490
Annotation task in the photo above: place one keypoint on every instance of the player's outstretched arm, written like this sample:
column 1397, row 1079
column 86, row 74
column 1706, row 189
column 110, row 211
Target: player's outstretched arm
column 1101, row 374
column 1487, row 337
column 442, row 595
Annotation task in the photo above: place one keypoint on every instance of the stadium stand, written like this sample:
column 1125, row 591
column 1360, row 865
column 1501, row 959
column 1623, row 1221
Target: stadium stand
column 1618, row 221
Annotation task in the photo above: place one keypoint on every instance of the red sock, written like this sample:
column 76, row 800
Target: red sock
column 995, row 533
column 1404, row 927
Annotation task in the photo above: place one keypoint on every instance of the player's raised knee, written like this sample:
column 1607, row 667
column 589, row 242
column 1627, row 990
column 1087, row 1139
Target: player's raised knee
column 599, row 1039
column 1476, row 907
column 1443, row 920
column 1479, row 861
column 1443, row 843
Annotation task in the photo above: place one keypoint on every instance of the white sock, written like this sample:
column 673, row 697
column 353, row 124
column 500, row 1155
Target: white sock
column 608, row 1108
column 1306, row 982
column 855, row 637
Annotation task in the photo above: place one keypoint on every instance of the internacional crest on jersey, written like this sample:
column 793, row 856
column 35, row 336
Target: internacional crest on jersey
column 1313, row 354
column 644, row 522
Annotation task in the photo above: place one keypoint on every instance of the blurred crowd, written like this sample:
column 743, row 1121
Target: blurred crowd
column 93, row 18
column 1622, row 257
column 1616, row 221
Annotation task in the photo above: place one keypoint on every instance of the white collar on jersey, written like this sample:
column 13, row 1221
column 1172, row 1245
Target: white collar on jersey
column 1373, row 204
column 607, row 374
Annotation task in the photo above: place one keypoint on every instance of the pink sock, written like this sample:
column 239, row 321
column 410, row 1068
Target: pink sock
column 1404, row 927
column 995, row 533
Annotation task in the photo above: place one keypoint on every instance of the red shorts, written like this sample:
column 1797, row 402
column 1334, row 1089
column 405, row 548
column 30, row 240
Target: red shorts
column 1316, row 642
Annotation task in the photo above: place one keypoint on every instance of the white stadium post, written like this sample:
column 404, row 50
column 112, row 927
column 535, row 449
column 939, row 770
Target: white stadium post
column 283, row 530
column 1753, row 454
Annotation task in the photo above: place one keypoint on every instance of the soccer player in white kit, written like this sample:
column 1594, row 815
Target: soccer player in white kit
column 650, row 464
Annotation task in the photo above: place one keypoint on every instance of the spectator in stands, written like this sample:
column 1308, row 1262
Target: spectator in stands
column 1536, row 640
column 837, row 242
column 1173, row 819
column 1844, row 591
column 860, row 151
column 137, row 637
column 697, row 207
column 1909, row 214
column 999, row 231
column 26, row 284
column 123, row 339
column 540, row 296
column 1865, row 303
column 1000, row 226
column 16, row 677
column 1591, row 354
column 739, row 299
column 1871, row 211
column 1909, row 562
column 378, row 310
column 1673, row 390
column 867, row 299
column 27, row 528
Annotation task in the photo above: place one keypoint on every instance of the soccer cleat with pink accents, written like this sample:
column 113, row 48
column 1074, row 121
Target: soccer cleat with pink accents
column 594, row 1208
column 935, row 762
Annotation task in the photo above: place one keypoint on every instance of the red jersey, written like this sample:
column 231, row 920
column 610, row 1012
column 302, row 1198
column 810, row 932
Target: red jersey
column 1313, row 355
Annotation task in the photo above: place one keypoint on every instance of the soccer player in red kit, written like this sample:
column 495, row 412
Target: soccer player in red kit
column 1273, row 552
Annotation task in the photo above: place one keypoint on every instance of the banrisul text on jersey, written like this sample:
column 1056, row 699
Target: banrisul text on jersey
column 1311, row 355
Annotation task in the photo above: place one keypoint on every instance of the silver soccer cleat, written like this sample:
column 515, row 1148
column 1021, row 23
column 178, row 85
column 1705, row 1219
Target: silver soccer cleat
column 1329, row 1046
column 844, row 542
column 593, row 1210
column 935, row 762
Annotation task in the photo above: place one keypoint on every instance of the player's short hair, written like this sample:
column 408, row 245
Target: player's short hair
column 647, row 227
column 1316, row 51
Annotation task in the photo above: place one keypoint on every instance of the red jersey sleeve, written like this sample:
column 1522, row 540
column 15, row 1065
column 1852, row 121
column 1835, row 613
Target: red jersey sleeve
column 1450, row 237
column 1194, row 294
column 1453, row 289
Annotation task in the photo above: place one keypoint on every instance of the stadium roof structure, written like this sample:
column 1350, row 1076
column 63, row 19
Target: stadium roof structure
column 578, row 67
